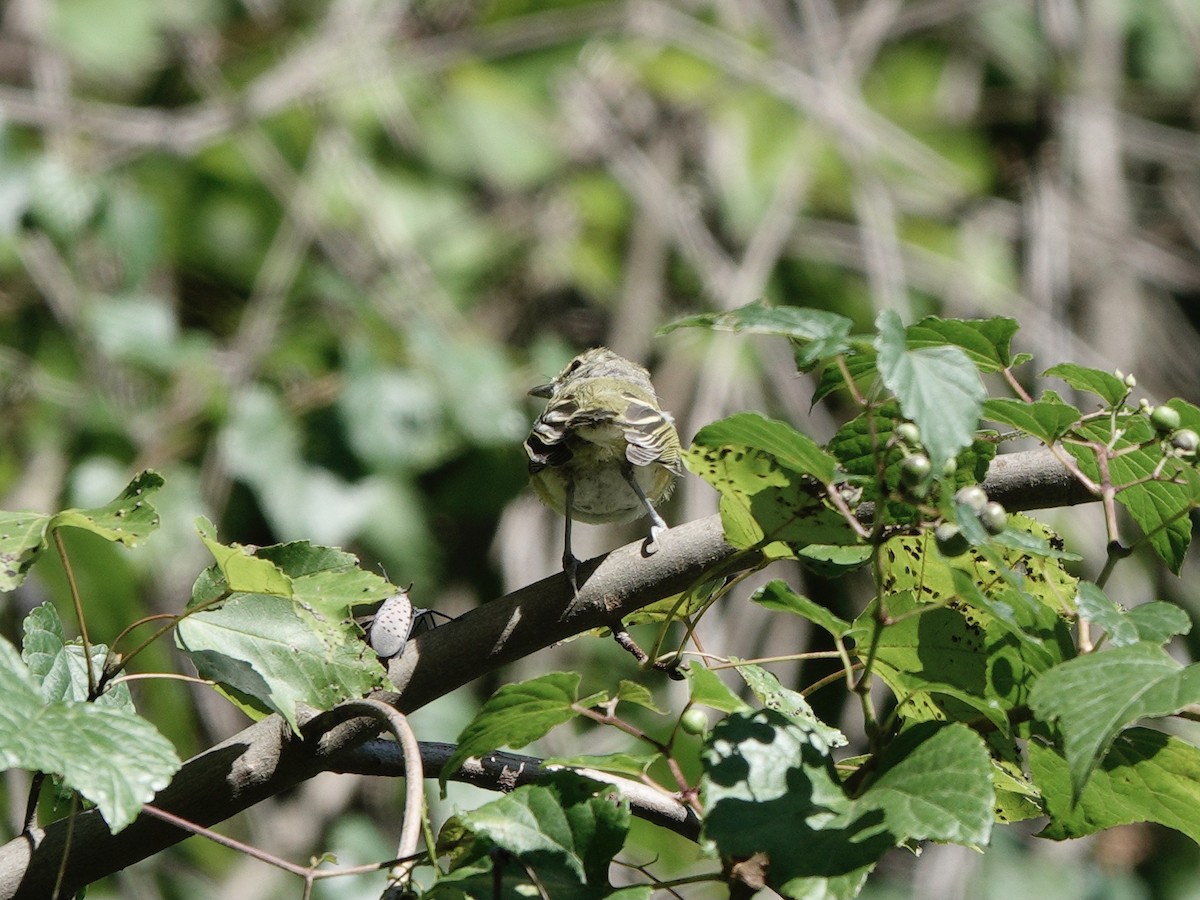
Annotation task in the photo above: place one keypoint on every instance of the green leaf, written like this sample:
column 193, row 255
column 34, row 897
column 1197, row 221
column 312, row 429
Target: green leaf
column 709, row 690
column 1159, row 507
column 518, row 714
column 781, row 441
column 986, row 342
column 935, row 658
column 830, row 561
column 113, row 757
column 1095, row 607
column 1016, row 799
column 59, row 667
column 858, row 442
column 129, row 519
column 778, row 596
column 762, row 470
column 533, row 819
column 22, row 540
column 934, row 783
column 770, row 787
column 561, row 836
column 1111, row 389
column 242, row 570
column 765, row 506
column 821, row 334
column 937, row 387
column 1146, row 776
column 860, row 363
column 274, row 655
column 325, row 579
column 1157, row 622
column 1045, row 420
column 639, row 695
column 786, row 702
column 978, row 653
column 1093, row 697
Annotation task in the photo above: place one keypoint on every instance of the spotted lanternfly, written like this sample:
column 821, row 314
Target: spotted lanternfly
column 391, row 626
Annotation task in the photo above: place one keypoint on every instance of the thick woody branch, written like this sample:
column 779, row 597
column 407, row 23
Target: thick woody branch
column 267, row 758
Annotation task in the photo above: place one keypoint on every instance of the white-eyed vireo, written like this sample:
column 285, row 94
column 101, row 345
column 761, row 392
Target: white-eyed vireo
column 602, row 450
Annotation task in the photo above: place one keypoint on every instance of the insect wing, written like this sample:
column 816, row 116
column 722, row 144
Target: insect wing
column 391, row 626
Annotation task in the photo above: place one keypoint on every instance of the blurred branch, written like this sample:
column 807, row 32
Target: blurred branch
column 332, row 60
column 267, row 758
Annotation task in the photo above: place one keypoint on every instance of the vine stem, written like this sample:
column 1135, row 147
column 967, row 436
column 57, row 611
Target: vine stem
column 724, row 663
column 75, row 599
column 847, row 673
column 844, row 369
column 308, row 873
column 120, row 662
column 62, row 867
column 411, row 825
column 607, row 718
column 414, row 789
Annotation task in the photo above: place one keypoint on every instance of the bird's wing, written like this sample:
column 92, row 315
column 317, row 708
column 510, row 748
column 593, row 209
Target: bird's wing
column 648, row 433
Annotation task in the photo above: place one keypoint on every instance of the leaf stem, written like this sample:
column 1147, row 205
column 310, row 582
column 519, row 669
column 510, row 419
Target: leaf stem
column 75, row 599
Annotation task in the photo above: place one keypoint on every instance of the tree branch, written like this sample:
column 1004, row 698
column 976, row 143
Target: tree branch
column 508, row 771
column 267, row 758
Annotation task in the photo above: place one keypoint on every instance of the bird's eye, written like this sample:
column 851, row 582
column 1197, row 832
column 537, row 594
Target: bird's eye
column 575, row 364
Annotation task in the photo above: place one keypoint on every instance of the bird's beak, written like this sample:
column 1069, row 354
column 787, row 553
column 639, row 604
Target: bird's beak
column 542, row 390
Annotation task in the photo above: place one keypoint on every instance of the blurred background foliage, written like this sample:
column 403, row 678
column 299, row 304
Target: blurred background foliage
column 305, row 258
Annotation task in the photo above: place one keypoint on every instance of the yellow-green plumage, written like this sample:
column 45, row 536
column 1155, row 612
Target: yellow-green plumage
column 602, row 432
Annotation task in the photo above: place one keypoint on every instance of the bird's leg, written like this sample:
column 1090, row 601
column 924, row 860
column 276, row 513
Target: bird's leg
column 570, row 563
column 657, row 526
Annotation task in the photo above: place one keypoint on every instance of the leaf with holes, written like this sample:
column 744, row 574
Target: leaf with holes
column 129, row 519
column 973, row 653
column 767, row 474
column 773, row 695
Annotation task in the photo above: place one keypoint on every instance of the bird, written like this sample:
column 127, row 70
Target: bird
column 603, row 450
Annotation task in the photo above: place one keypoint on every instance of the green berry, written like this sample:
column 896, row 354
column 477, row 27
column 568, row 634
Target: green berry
column 951, row 541
column 1164, row 419
column 908, row 433
column 693, row 721
column 1185, row 441
column 949, row 467
column 915, row 469
column 972, row 496
column 994, row 517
